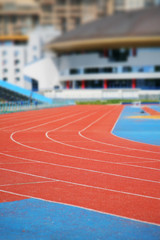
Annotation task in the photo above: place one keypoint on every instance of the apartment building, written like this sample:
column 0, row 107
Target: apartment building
column 19, row 51
column 129, row 5
column 68, row 14
column 109, row 60
column 18, row 17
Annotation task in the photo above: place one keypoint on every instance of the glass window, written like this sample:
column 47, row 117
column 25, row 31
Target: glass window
column 34, row 47
column 61, row 2
column 17, row 70
column 16, row 53
column 5, row 79
column 5, row 62
column 74, row 71
column 47, row 7
column 157, row 68
column 16, row 61
column 127, row 69
column 5, row 70
column 4, row 53
column 119, row 55
column 35, row 58
column 76, row 2
column 17, row 79
column 119, row 3
column 106, row 70
column 91, row 70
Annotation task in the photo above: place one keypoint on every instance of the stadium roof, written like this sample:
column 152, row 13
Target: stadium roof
column 134, row 28
column 14, row 38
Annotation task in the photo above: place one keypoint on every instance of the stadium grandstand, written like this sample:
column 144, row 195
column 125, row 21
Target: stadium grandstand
column 111, row 57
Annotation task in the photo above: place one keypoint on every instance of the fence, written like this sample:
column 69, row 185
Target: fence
column 18, row 106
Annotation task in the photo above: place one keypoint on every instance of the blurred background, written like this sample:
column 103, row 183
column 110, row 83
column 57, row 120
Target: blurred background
column 21, row 16
column 33, row 69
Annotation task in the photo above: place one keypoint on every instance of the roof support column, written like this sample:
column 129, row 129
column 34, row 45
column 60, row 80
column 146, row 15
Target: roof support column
column 134, row 52
column 83, row 84
column 105, row 84
column 133, row 83
column 68, row 84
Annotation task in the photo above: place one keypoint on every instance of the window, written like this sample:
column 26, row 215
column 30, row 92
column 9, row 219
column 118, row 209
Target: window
column 63, row 24
column 4, row 53
column 74, row 71
column 17, row 79
column 16, row 53
column 34, row 47
column 14, row 19
column 119, row 3
column 77, row 21
column 119, row 55
column 127, row 69
column 5, row 79
column 61, row 2
column 47, row 8
column 106, row 70
column 157, row 68
column 5, row 70
column 76, row 2
column 16, row 61
column 91, row 70
column 5, row 62
column 35, row 58
column 17, row 70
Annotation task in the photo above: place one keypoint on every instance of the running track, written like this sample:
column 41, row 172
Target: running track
column 69, row 155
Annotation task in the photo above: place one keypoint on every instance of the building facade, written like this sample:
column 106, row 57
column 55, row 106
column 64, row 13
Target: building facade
column 17, row 52
column 124, row 57
column 129, row 5
column 20, row 17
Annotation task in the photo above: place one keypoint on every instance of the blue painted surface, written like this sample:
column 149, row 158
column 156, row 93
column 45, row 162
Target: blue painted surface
column 156, row 107
column 33, row 219
column 139, row 130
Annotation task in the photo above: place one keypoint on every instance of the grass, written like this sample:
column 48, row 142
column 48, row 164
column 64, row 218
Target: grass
column 114, row 101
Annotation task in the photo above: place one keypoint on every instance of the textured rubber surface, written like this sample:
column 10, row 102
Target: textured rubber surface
column 68, row 155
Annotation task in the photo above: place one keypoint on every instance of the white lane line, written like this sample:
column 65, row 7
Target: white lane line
column 88, row 149
column 129, row 139
column 28, row 174
column 109, row 144
column 12, row 163
column 19, row 116
column 85, row 208
column 42, row 124
column 84, row 185
column 108, row 162
column 25, row 183
column 108, row 173
column 98, row 172
column 14, row 125
column 67, row 155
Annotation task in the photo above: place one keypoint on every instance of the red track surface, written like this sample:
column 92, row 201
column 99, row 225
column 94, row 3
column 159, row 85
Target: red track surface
column 69, row 155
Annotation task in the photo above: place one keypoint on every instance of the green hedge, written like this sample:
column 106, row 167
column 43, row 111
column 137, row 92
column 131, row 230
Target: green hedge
column 114, row 101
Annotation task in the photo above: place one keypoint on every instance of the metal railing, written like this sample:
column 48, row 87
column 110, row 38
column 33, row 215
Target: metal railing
column 18, row 106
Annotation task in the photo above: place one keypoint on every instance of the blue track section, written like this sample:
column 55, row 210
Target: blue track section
column 155, row 107
column 138, row 129
column 33, row 219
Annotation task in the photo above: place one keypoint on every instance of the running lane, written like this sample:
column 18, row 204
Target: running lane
column 73, row 158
